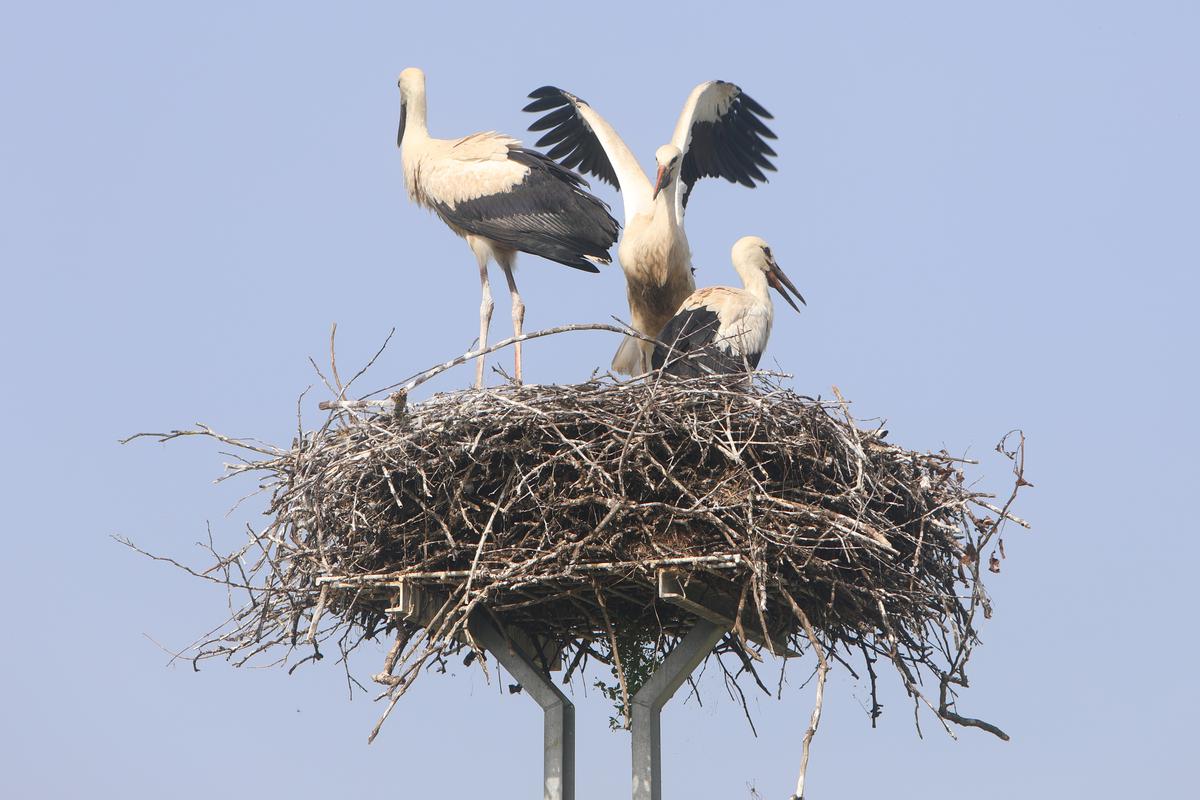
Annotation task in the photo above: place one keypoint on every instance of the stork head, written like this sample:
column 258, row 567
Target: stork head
column 752, row 255
column 412, row 88
column 668, row 158
column 411, row 82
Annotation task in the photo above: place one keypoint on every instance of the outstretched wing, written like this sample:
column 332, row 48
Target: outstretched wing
column 581, row 139
column 575, row 142
column 722, row 134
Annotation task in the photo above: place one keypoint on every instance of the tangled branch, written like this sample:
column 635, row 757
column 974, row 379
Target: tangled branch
column 561, row 510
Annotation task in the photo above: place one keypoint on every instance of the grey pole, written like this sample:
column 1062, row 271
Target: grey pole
column 558, row 725
column 654, row 694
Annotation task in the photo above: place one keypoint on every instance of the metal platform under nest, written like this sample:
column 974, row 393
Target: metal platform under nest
column 687, row 584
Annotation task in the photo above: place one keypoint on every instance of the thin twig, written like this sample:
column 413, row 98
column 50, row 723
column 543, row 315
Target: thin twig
column 552, row 508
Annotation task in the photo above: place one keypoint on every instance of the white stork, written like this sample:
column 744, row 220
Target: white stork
column 502, row 198
column 720, row 132
column 721, row 330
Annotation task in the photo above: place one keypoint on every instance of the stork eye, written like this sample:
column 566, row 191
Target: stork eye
column 767, row 252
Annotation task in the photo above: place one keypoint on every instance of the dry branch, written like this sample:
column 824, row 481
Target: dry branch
column 553, row 507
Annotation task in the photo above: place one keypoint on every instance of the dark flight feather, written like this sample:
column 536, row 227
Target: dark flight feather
column 688, row 347
column 547, row 214
column 732, row 146
column 574, row 141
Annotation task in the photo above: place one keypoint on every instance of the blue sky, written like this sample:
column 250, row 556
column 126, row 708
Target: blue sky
column 992, row 211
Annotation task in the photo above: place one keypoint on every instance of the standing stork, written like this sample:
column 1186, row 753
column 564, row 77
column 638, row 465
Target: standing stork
column 720, row 133
column 502, row 198
column 721, row 330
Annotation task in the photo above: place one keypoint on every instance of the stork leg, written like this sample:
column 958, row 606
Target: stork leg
column 508, row 263
column 482, row 253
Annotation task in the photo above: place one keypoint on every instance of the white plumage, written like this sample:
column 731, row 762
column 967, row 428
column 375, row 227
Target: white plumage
column 719, row 133
column 721, row 329
column 451, row 171
column 503, row 199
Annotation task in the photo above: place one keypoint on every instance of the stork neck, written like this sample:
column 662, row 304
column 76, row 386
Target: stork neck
column 664, row 204
column 414, row 110
column 755, row 282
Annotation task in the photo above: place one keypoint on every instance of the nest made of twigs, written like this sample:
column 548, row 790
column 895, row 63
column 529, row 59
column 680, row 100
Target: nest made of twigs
column 558, row 510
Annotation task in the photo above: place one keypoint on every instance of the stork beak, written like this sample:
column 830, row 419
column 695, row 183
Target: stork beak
column 779, row 281
column 403, row 115
column 661, row 181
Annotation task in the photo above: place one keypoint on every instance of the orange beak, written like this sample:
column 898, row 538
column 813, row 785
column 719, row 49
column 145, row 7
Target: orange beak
column 661, row 180
column 779, row 281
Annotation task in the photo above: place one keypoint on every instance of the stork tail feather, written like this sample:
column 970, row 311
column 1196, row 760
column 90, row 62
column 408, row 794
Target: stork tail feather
column 630, row 358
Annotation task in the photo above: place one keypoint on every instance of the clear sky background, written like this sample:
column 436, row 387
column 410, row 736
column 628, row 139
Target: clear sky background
column 993, row 211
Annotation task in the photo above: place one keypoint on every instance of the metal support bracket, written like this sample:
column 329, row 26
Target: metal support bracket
column 517, row 653
column 558, row 713
column 709, row 604
column 654, row 694
column 558, row 725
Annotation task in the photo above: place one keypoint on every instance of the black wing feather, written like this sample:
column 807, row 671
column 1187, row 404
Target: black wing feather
column 553, row 119
column 548, row 214
column 567, row 127
column 560, row 151
column 688, row 347
column 732, row 147
column 544, row 98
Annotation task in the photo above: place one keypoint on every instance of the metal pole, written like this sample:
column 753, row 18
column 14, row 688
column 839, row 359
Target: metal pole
column 654, row 694
column 558, row 725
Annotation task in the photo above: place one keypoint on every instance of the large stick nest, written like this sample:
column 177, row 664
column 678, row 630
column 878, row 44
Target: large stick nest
column 559, row 511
